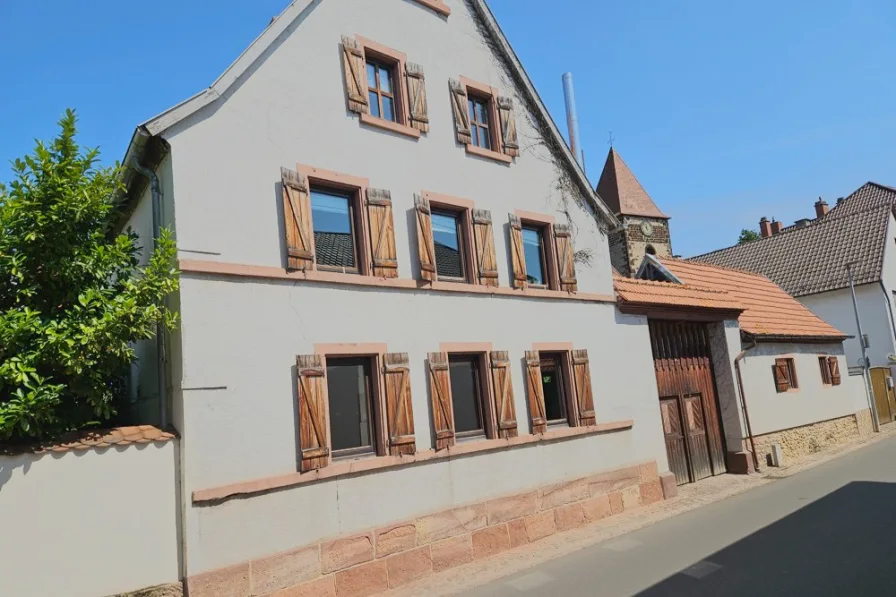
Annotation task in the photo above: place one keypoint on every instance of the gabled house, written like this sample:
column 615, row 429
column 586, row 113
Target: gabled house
column 809, row 260
column 399, row 347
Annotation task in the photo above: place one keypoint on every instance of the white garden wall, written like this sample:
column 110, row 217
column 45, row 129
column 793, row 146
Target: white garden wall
column 88, row 523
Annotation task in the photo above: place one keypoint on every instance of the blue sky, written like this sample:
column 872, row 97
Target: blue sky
column 726, row 111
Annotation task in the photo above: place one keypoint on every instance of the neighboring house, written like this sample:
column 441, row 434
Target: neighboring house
column 790, row 360
column 399, row 347
column 809, row 261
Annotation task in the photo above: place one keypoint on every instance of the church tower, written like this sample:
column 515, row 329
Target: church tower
column 645, row 229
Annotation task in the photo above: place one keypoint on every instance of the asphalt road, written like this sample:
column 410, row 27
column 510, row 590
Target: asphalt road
column 829, row 531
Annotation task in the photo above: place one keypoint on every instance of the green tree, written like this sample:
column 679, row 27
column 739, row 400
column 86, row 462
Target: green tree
column 73, row 298
column 747, row 235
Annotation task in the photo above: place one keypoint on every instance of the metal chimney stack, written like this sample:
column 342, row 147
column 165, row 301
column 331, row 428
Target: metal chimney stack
column 572, row 118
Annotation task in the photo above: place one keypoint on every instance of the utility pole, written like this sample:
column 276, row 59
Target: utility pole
column 865, row 362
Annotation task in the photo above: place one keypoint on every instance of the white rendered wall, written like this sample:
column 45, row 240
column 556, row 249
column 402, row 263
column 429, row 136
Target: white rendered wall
column 87, row 524
column 243, row 338
column 812, row 402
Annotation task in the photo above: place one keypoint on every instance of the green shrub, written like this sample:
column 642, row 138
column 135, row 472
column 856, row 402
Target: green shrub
column 73, row 298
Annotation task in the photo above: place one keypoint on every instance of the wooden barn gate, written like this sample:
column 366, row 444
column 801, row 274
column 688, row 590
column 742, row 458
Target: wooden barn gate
column 688, row 402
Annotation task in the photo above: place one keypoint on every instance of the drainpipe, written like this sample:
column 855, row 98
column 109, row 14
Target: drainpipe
column 160, row 330
column 743, row 401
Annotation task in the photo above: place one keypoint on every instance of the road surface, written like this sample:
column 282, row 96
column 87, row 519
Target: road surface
column 828, row 531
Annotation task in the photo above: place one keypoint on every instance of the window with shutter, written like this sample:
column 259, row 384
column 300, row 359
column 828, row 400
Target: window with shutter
column 502, row 389
column 517, row 255
column 382, row 233
column 835, row 370
column 484, row 122
column 399, row 410
column 566, row 265
column 313, row 426
column 355, row 75
column 297, row 220
column 534, row 392
column 584, row 396
column 485, row 247
column 785, row 375
column 425, row 245
column 440, row 394
column 461, row 112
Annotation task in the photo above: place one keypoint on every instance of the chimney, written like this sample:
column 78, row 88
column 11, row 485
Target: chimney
column 765, row 228
column 821, row 208
column 777, row 226
column 572, row 119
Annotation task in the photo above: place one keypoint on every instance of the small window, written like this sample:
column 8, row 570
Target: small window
column 448, row 241
column 533, row 250
column 332, row 215
column 480, row 123
column 650, row 250
column 553, row 384
column 785, row 375
column 466, row 395
column 825, row 365
column 350, row 398
column 380, row 90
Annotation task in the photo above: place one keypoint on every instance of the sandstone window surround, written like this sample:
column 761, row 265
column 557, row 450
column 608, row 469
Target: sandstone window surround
column 557, row 254
column 391, row 410
column 437, row 6
column 480, row 110
column 574, row 377
column 372, row 226
column 473, row 260
column 383, row 88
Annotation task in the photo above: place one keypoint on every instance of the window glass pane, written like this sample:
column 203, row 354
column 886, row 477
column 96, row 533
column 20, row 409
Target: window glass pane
column 485, row 139
column 333, row 242
column 449, row 261
column 464, row 374
column 374, row 103
column 385, row 79
column 348, row 393
column 472, row 110
column 532, row 251
column 482, row 112
column 552, row 385
column 371, row 75
column 475, row 132
column 388, row 111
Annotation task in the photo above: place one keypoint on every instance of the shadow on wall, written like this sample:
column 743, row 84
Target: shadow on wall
column 842, row 544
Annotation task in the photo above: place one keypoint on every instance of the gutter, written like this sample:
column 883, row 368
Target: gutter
column 743, row 401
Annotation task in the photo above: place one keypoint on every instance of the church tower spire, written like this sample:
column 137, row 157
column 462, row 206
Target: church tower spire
column 645, row 229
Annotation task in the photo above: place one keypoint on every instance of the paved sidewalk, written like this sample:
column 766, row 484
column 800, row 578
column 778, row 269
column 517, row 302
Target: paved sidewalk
column 459, row 580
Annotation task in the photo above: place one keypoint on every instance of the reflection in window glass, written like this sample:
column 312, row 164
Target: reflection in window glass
column 331, row 215
column 533, row 251
column 447, row 239
column 465, row 392
column 552, row 385
column 348, row 392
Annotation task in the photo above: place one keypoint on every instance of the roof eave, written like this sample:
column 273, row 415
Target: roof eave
column 814, row 339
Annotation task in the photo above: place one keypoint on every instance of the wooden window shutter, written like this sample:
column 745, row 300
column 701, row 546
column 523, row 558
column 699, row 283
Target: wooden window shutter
column 780, row 369
column 419, row 116
column 566, row 260
column 297, row 221
column 835, row 370
column 399, row 410
column 382, row 233
column 509, row 136
column 517, row 257
column 584, row 395
column 535, row 392
column 425, row 247
column 503, row 390
column 461, row 113
column 440, row 392
column 486, row 261
column 355, row 75
column 313, row 437
column 825, row 366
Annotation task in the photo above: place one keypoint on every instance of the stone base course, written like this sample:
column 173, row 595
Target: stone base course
column 371, row 562
column 799, row 442
column 864, row 422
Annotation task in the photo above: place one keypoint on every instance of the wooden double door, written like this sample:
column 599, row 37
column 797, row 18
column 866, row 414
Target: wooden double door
column 688, row 400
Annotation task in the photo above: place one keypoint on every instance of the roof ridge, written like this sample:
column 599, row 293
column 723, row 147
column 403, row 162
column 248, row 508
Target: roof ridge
column 689, row 261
